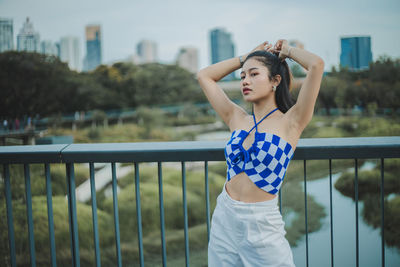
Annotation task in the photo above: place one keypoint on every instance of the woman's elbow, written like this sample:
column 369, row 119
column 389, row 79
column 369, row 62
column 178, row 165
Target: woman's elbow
column 200, row 74
column 319, row 64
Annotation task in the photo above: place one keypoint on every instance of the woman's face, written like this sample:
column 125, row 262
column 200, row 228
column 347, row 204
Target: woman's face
column 255, row 83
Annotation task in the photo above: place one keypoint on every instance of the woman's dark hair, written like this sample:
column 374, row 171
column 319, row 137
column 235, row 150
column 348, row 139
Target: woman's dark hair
column 276, row 66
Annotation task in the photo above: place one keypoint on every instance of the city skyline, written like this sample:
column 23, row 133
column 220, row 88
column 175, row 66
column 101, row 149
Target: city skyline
column 178, row 24
column 222, row 48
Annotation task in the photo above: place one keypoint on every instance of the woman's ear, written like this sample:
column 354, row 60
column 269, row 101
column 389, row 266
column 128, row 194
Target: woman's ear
column 277, row 79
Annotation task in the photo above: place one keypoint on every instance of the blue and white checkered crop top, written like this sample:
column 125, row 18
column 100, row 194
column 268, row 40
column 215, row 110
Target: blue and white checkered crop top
column 265, row 162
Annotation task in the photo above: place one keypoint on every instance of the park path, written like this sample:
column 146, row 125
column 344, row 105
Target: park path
column 102, row 178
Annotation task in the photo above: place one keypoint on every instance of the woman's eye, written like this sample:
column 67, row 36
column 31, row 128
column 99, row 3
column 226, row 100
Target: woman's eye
column 241, row 77
column 253, row 74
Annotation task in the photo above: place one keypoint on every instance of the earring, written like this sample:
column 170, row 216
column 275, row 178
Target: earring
column 274, row 88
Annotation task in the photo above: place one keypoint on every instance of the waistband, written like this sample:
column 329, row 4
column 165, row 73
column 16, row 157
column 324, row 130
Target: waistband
column 273, row 203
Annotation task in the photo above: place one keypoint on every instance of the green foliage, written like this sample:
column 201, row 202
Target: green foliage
column 377, row 87
column 149, row 119
column 61, row 229
column 93, row 134
column 351, row 126
column 218, row 168
column 372, row 214
column 36, row 84
column 99, row 116
column 369, row 182
column 38, row 179
column 330, row 87
column 48, row 86
column 172, row 200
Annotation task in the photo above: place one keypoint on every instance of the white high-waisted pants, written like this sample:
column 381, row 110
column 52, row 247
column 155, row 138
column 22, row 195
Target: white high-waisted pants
column 247, row 234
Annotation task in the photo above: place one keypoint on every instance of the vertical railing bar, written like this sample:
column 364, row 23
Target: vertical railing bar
column 10, row 220
column 139, row 214
column 207, row 195
column 356, row 200
column 383, row 212
column 331, row 209
column 185, row 216
column 305, row 209
column 50, row 217
column 116, row 217
column 29, row 214
column 73, row 223
column 94, row 215
column 162, row 219
column 71, row 236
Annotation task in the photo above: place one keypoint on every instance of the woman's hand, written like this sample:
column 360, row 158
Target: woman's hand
column 281, row 48
column 263, row 46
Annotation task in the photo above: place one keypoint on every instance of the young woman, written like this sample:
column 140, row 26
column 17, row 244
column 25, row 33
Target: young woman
column 247, row 228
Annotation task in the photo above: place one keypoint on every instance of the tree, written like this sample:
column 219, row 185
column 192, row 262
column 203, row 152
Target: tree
column 165, row 84
column 35, row 84
column 328, row 91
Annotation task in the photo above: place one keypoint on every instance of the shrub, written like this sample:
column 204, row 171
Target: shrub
column 61, row 229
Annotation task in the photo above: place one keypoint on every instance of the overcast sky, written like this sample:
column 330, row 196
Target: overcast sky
column 176, row 23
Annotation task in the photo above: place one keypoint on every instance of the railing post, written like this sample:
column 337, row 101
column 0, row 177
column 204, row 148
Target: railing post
column 383, row 212
column 10, row 221
column 331, row 209
column 185, row 215
column 29, row 214
column 50, row 215
column 356, row 200
column 305, row 209
column 162, row 219
column 73, row 222
column 94, row 214
column 139, row 214
column 116, row 217
column 207, row 196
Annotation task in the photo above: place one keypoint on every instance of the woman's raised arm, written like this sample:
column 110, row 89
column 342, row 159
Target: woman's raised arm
column 208, row 78
column 301, row 113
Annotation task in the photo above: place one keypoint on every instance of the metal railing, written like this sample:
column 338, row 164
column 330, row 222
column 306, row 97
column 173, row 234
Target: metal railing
column 307, row 149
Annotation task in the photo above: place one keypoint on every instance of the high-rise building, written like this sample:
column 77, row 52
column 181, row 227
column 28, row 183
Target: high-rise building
column 48, row 48
column 93, row 47
column 222, row 48
column 188, row 59
column 70, row 52
column 6, row 35
column 147, row 51
column 28, row 39
column 356, row 52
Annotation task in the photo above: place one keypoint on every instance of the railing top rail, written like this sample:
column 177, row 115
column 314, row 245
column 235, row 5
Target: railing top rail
column 311, row 148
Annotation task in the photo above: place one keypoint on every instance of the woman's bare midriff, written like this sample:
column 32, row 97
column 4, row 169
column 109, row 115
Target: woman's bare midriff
column 241, row 188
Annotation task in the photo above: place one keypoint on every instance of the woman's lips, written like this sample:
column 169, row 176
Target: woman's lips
column 246, row 90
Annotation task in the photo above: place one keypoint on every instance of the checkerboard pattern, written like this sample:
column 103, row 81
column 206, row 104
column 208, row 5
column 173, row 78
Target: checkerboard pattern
column 265, row 162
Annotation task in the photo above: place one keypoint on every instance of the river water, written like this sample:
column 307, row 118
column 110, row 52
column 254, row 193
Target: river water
column 344, row 234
